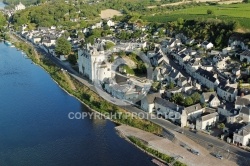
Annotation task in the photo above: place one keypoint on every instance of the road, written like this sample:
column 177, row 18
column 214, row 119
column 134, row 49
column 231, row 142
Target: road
column 169, row 128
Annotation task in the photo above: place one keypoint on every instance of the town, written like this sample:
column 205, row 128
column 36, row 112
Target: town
column 183, row 80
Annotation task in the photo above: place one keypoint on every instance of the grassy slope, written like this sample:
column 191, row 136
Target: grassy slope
column 238, row 12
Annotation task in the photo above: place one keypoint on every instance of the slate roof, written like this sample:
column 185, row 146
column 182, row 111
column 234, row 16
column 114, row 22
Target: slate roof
column 227, row 89
column 209, row 95
column 246, row 53
column 245, row 110
column 151, row 97
column 244, row 130
column 193, row 108
column 206, row 74
column 168, row 104
column 209, row 116
column 242, row 101
column 174, row 73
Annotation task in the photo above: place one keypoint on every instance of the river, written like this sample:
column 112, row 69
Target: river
column 2, row 5
column 35, row 129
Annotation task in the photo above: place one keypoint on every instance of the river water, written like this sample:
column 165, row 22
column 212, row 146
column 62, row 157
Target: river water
column 2, row 5
column 34, row 125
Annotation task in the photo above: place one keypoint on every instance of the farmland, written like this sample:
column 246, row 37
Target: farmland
column 237, row 12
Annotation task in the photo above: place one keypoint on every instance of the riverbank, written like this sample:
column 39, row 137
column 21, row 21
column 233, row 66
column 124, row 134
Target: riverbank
column 87, row 96
column 167, row 151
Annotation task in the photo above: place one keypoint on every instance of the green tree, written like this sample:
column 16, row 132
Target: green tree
column 196, row 97
column 209, row 11
column 188, row 101
column 221, row 126
column 72, row 58
column 108, row 45
column 171, row 85
column 177, row 98
column 63, row 47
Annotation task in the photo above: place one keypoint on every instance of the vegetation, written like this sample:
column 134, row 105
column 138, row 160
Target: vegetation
column 155, row 153
column 221, row 126
column 109, row 45
column 72, row 58
column 57, row 13
column 63, row 47
column 232, row 12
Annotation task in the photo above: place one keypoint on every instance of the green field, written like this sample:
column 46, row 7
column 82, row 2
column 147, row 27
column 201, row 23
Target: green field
column 239, row 12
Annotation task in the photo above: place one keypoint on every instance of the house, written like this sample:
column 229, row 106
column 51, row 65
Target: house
column 181, row 81
column 226, row 50
column 231, row 114
column 207, row 121
column 207, row 78
column 193, row 112
column 147, row 103
column 242, row 136
column 191, row 66
column 20, row 6
column 169, row 110
column 182, row 58
column 222, row 63
column 207, row 45
column 236, row 71
column 242, row 101
column 211, row 98
column 36, row 39
column 161, row 73
column 110, row 23
column 227, row 93
column 173, row 76
column 237, row 41
column 245, row 56
column 245, row 114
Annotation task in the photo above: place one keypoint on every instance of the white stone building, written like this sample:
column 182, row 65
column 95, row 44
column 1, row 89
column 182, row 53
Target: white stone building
column 147, row 103
column 242, row 137
column 227, row 93
column 91, row 61
column 20, row 6
column 205, row 121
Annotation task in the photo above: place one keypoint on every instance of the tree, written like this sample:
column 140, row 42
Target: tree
column 171, row 85
column 188, row 101
column 108, row 45
column 72, row 59
column 63, row 47
column 209, row 11
column 196, row 97
column 177, row 98
column 221, row 126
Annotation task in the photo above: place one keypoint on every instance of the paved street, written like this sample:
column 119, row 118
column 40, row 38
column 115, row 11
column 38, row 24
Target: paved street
column 168, row 126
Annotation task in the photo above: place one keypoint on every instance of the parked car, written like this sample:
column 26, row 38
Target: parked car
column 194, row 152
column 219, row 156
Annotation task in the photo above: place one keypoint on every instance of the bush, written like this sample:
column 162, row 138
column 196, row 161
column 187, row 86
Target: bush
column 209, row 11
